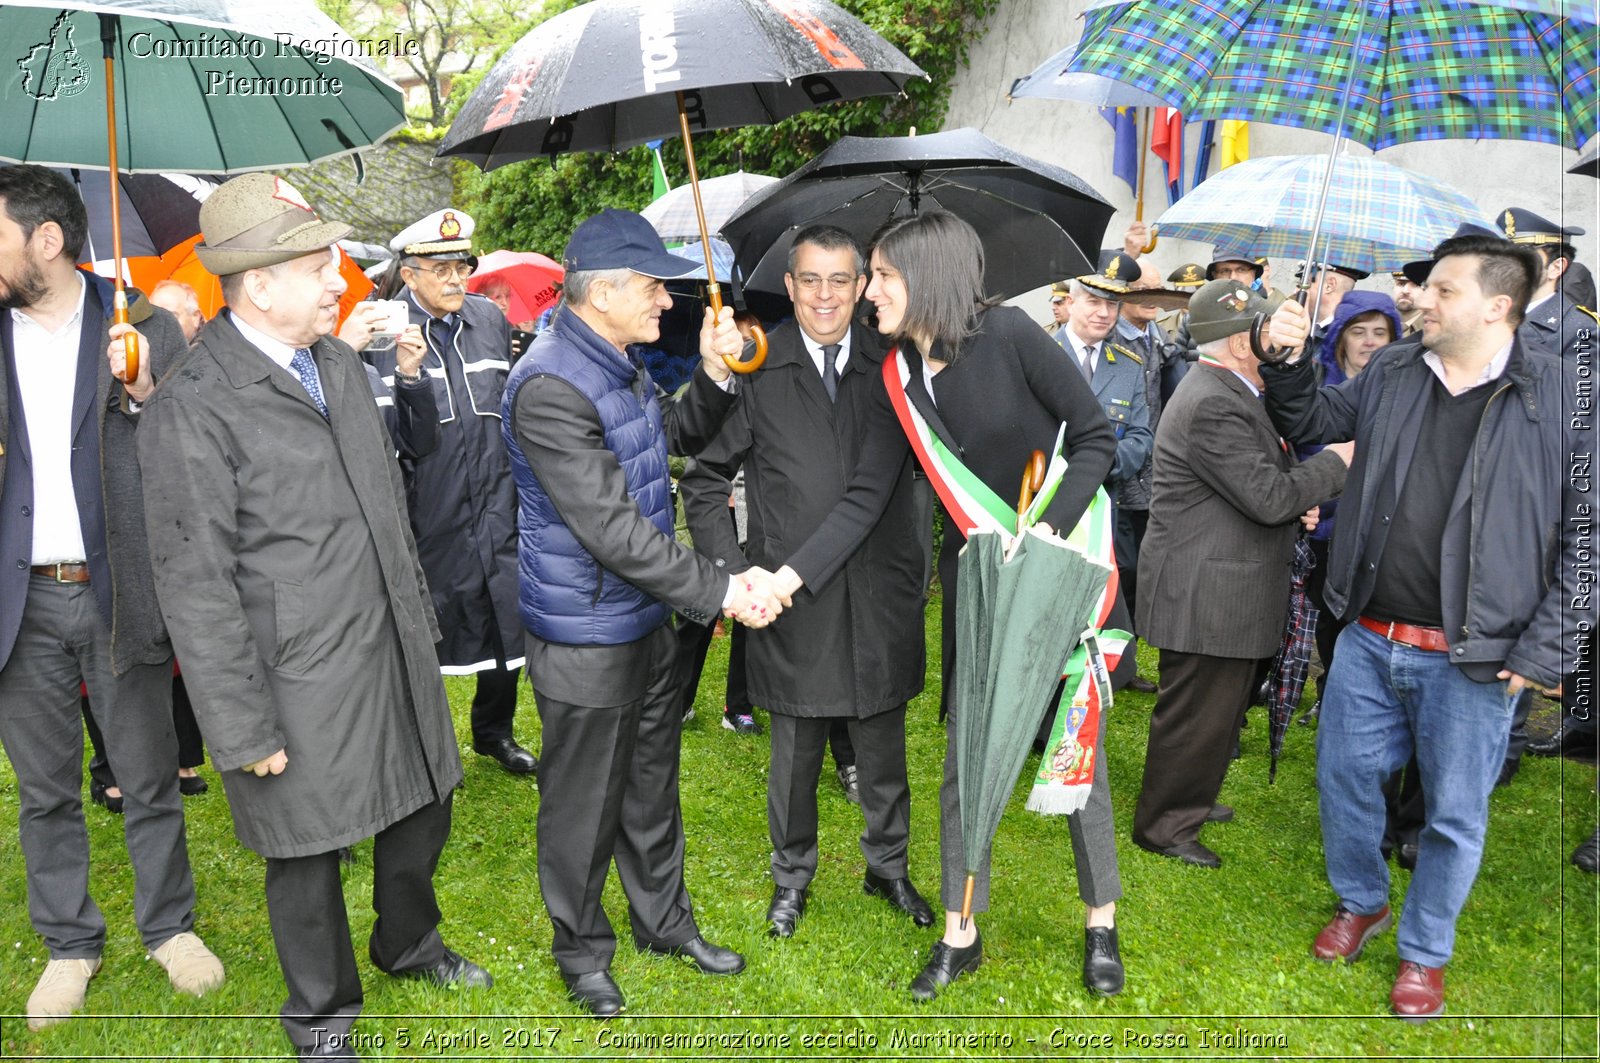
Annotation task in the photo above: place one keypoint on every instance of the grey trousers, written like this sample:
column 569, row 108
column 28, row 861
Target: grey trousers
column 608, row 789
column 63, row 641
column 797, row 748
column 1094, row 841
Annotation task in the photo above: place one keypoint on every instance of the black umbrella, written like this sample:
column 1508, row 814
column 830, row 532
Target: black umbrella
column 159, row 211
column 1039, row 223
column 1589, row 165
column 613, row 74
column 1286, row 680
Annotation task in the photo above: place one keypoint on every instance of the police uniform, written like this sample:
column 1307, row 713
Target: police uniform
column 1554, row 325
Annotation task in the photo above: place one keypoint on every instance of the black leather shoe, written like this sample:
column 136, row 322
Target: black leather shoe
column 1406, row 856
column 1586, row 857
column 325, row 1050
column 595, row 992
column 1102, row 963
column 1189, row 852
column 452, row 970
column 97, row 794
column 1508, row 771
column 945, row 965
column 902, row 894
column 785, row 911
column 512, row 757
column 712, row 959
column 192, row 785
column 1140, row 685
column 1220, row 814
column 1568, row 739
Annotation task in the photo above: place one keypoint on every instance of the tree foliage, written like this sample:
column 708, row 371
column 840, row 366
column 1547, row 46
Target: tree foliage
column 535, row 205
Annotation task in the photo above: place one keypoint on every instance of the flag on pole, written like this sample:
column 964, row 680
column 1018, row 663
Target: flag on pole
column 1166, row 144
column 1125, row 144
column 1235, row 143
column 1202, row 155
column 658, row 172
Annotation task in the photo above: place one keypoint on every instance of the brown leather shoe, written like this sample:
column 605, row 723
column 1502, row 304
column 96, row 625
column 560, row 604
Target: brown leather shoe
column 1348, row 933
column 1418, row 993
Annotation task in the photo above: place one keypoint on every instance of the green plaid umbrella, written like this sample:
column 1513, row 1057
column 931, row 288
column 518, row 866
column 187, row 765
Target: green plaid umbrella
column 1379, row 216
column 1423, row 70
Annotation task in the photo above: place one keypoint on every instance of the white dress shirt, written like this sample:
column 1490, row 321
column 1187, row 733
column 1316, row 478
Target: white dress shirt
column 1079, row 349
column 814, row 349
column 47, row 376
column 277, row 350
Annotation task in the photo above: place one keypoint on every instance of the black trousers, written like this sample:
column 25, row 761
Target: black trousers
column 1192, row 728
column 797, row 745
column 608, row 789
column 693, row 642
column 191, row 746
column 1125, row 540
column 494, row 702
column 305, row 905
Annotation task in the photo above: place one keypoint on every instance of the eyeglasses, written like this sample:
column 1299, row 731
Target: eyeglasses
column 810, row 282
column 446, row 271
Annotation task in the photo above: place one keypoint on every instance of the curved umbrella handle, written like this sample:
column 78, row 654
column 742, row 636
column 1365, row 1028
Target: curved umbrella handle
column 1155, row 238
column 1259, row 347
column 1032, row 480
column 130, row 340
column 749, row 365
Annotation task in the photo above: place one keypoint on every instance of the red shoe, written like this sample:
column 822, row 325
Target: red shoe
column 1348, row 933
column 1418, row 993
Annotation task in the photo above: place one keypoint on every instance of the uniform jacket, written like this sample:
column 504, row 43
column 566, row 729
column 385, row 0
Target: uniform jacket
column 1120, row 386
column 1559, row 326
column 1224, row 511
column 105, row 477
column 461, row 499
column 828, row 489
column 288, row 577
column 1516, row 545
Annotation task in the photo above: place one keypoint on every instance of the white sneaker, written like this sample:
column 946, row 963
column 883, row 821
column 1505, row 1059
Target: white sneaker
column 60, row 991
column 191, row 967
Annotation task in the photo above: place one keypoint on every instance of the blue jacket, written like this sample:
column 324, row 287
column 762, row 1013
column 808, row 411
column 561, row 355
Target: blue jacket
column 566, row 596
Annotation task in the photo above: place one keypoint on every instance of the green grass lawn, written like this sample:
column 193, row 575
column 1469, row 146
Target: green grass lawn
column 1218, row 961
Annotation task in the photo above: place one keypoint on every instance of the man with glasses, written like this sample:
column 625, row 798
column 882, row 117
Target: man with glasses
column 828, row 480
column 462, row 498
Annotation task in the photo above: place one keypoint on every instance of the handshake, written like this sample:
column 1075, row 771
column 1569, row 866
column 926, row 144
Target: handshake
column 759, row 596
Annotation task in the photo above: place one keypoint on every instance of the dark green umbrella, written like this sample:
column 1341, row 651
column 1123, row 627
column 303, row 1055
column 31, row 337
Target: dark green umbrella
column 1018, row 619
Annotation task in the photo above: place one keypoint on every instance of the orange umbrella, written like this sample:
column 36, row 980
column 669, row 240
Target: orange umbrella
column 182, row 264
column 532, row 282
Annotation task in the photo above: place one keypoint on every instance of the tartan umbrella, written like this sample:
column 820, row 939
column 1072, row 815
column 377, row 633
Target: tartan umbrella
column 1379, row 216
column 1421, row 70
column 612, row 74
column 673, row 214
column 1286, row 680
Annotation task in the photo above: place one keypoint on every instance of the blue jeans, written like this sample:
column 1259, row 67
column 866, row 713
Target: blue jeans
column 1384, row 701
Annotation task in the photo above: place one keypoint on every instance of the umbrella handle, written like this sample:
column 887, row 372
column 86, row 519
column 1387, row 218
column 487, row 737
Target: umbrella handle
column 1032, row 480
column 1259, row 347
column 130, row 340
column 1154, row 239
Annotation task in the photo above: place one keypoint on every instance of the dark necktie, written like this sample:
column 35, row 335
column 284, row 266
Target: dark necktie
column 1088, row 363
column 830, row 370
column 306, row 370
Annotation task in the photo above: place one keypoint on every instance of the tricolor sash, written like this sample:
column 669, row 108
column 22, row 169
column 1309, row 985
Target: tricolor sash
column 1067, row 769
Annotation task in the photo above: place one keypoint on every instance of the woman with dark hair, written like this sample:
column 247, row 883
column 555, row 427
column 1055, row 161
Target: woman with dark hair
column 994, row 388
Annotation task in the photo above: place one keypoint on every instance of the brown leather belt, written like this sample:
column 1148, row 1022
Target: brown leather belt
column 1423, row 638
column 65, row 571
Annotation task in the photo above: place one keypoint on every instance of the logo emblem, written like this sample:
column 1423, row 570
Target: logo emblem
column 1235, row 300
column 1112, row 267
column 54, row 70
column 449, row 226
column 1191, row 272
column 1509, row 223
column 287, row 192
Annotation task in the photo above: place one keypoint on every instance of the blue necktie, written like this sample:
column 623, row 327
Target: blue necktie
column 306, row 370
column 830, row 370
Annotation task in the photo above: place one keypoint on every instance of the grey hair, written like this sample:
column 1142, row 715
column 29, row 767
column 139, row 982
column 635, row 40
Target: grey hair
column 828, row 238
column 1215, row 348
column 576, row 284
column 940, row 257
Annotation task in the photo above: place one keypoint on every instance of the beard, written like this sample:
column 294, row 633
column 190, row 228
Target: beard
column 24, row 290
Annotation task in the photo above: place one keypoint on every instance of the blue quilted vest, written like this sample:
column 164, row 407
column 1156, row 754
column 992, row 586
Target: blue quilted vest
column 565, row 595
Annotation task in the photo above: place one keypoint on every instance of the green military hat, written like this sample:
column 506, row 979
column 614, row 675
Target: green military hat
column 1060, row 290
column 1188, row 276
column 1221, row 308
column 258, row 220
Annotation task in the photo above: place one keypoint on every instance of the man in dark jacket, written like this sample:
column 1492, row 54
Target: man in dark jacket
column 1226, row 502
column 461, row 497
column 76, row 599
column 600, row 576
column 828, row 487
column 1458, row 560
column 289, row 580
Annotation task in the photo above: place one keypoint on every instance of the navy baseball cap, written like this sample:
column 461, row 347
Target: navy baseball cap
column 621, row 239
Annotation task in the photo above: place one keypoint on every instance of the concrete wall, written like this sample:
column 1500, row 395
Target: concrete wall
column 1023, row 33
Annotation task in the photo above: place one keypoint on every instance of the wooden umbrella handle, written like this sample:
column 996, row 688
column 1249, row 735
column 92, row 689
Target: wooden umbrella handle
column 1032, row 480
column 130, row 339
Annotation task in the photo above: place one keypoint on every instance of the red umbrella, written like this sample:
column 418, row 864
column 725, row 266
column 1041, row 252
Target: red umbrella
column 533, row 281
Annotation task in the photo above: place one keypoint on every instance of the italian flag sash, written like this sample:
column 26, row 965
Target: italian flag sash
column 1067, row 769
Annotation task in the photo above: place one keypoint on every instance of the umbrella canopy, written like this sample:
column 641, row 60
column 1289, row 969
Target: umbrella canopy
column 1589, row 165
column 673, row 214
column 183, row 265
column 202, row 86
column 1379, row 216
column 1287, row 678
column 1018, row 620
column 604, row 76
column 1423, row 69
column 159, row 211
column 534, row 281
column 1038, row 222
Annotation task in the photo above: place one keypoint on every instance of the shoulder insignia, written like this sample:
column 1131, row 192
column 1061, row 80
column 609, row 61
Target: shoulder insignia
column 1591, row 313
column 1118, row 348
